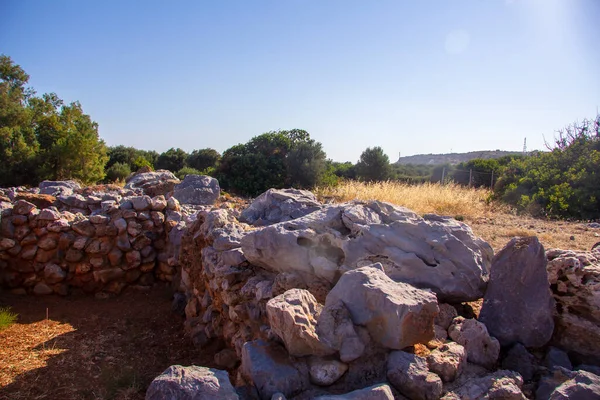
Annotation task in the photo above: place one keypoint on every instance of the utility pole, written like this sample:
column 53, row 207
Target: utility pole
column 492, row 181
column 470, row 177
column 525, row 146
column 443, row 174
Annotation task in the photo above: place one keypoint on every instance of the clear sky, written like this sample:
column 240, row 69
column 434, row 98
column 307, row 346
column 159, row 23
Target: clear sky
column 411, row 76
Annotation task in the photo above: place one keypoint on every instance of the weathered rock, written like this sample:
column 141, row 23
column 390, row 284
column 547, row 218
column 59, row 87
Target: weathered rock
column 445, row 316
column 141, row 203
column 58, row 187
column 271, row 370
column 226, row 358
column 54, row 274
column 107, row 275
column 191, row 383
column 504, row 385
column 409, row 374
column 482, row 349
column 153, row 183
column 197, row 190
column 555, row 357
column 376, row 392
column 336, row 330
column 49, row 214
column 448, row 361
column 518, row 304
column 518, row 359
column 42, row 289
column 293, row 317
column 575, row 283
column 84, row 228
column 584, row 385
column 432, row 252
column 396, row 314
column 39, row 200
column 325, row 372
column 22, row 207
column 6, row 243
column 549, row 382
column 278, row 205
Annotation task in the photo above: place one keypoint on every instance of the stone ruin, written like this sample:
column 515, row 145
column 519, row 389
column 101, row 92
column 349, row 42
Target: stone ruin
column 361, row 300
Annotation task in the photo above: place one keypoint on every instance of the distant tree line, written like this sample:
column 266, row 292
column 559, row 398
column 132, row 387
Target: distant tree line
column 43, row 138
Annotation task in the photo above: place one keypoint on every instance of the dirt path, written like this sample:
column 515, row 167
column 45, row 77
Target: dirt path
column 90, row 348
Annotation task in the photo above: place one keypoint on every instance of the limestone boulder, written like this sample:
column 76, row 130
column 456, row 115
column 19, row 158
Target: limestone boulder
column 152, row 183
column 56, row 188
column 54, row 274
column 505, row 385
column 432, row 252
column 482, row 349
column 380, row 391
column 39, row 200
column 518, row 304
column 278, row 205
column 293, row 317
column 583, row 385
column 397, row 315
column 410, row 375
column 324, row 371
column 520, row 360
column 575, row 282
column 336, row 329
column 193, row 382
column 271, row 369
column 448, row 361
column 197, row 190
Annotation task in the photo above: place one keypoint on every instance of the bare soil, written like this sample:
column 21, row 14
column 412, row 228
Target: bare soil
column 81, row 347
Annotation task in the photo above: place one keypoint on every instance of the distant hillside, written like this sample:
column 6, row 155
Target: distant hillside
column 453, row 158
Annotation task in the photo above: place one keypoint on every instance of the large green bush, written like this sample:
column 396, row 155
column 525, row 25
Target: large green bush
column 563, row 182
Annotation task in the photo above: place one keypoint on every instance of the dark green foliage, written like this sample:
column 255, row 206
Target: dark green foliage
column 374, row 165
column 172, row 159
column 345, row 170
column 187, row 171
column 564, row 182
column 117, row 172
column 272, row 160
column 42, row 138
column 7, row 317
column 131, row 156
column 412, row 173
column 203, row 159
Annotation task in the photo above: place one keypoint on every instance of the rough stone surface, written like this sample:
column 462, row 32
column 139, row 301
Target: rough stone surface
column 191, row 383
column 583, row 386
column 278, row 205
column 336, row 330
column 520, row 360
column 575, row 282
column 500, row 385
column 448, row 361
column 54, row 274
column 197, row 190
column 518, row 304
column 445, row 316
column 271, row 370
column 482, row 349
column 556, row 357
column 153, row 183
column 293, row 317
column 431, row 252
column 410, row 376
column 397, row 315
column 375, row 392
column 325, row 372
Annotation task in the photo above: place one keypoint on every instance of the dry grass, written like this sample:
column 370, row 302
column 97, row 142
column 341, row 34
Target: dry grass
column 496, row 223
column 451, row 199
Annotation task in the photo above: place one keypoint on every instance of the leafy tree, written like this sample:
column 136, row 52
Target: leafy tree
column 272, row 160
column 306, row 164
column 374, row 165
column 203, row 159
column 345, row 170
column 172, row 159
column 187, row 171
column 18, row 144
column 134, row 158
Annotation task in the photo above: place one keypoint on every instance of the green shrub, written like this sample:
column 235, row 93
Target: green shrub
column 187, row 171
column 7, row 318
column 117, row 172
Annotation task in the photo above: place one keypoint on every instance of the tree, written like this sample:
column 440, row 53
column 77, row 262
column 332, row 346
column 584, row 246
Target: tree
column 272, row 160
column 374, row 165
column 203, row 159
column 306, row 164
column 18, row 143
column 172, row 159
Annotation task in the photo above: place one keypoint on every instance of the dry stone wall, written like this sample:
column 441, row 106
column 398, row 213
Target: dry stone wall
column 96, row 243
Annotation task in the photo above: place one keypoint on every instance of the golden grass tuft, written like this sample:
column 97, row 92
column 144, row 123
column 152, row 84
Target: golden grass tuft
column 450, row 199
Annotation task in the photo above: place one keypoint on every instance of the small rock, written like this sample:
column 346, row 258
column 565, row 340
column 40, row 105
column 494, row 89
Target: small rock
column 555, row 357
column 410, row 376
column 448, row 361
column 482, row 349
column 375, row 392
column 183, row 383
column 42, row 289
column 325, row 372
column 518, row 359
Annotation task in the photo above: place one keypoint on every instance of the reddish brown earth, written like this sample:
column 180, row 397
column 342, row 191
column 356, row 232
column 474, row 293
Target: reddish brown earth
column 91, row 348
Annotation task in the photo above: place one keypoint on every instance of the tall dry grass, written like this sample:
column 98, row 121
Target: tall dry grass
column 449, row 199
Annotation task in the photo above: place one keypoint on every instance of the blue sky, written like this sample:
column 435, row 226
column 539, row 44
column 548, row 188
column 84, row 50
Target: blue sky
column 410, row 76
